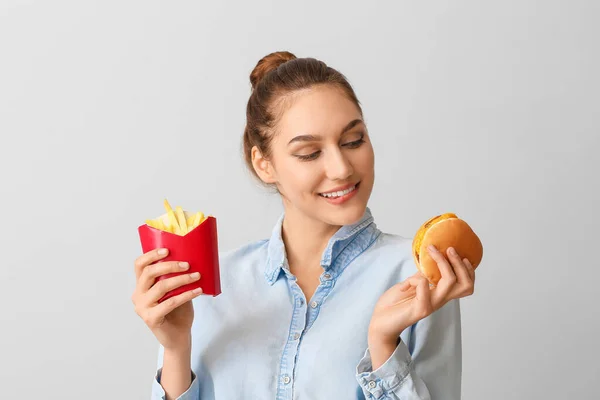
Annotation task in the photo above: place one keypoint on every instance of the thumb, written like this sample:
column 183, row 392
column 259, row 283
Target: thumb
column 404, row 286
column 423, row 292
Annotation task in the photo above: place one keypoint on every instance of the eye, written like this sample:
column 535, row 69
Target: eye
column 356, row 143
column 351, row 145
column 309, row 157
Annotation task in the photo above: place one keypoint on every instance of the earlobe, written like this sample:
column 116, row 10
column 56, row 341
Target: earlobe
column 262, row 166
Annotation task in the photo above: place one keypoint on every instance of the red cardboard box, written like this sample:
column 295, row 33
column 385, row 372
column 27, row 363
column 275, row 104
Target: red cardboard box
column 199, row 248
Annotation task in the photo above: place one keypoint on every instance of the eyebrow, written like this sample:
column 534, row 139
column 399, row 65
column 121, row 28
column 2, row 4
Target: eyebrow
column 311, row 138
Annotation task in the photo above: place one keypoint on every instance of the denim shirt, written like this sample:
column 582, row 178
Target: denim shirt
column 262, row 339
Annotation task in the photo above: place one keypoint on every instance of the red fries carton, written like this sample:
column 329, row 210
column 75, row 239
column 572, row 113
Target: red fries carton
column 188, row 237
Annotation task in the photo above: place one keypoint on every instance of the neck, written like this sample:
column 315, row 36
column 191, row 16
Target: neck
column 305, row 240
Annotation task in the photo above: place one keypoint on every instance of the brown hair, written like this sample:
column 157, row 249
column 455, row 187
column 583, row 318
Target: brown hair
column 275, row 78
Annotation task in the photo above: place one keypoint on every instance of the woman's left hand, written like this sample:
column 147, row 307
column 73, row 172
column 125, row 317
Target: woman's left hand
column 413, row 299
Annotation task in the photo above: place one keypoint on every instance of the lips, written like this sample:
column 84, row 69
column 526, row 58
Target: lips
column 340, row 191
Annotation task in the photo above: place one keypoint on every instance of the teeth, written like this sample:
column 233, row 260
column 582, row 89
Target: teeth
column 338, row 193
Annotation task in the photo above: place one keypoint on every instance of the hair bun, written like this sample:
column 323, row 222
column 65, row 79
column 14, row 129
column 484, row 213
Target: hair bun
column 267, row 64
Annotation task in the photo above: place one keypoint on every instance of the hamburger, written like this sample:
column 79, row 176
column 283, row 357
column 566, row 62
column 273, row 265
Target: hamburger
column 444, row 231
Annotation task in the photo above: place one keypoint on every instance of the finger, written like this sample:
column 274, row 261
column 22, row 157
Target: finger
column 423, row 298
column 157, row 313
column 423, row 291
column 413, row 280
column 407, row 289
column 164, row 286
column 146, row 259
column 400, row 292
column 153, row 271
column 417, row 280
column 448, row 277
column 470, row 269
column 460, row 269
column 464, row 286
column 406, row 296
column 404, row 286
column 410, row 282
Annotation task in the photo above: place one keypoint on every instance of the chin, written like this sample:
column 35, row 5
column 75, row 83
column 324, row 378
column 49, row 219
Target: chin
column 345, row 212
column 350, row 218
column 343, row 216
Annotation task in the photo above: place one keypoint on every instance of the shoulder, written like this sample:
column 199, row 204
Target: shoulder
column 242, row 265
column 391, row 254
column 245, row 249
column 393, row 244
column 254, row 250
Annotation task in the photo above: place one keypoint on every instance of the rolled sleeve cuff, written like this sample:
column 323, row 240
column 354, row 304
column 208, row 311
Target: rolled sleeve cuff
column 388, row 376
column 158, row 393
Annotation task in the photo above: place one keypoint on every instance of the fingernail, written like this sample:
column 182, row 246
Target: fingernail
column 162, row 252
column 431, row 248
column 197, row 290
column 195, row 275
column 452, row 251
column 184, row 265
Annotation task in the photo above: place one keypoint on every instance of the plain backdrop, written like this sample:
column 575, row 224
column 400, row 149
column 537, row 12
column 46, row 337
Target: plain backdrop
column 488, row 109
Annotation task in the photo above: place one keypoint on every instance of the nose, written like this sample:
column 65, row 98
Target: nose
column 338, row 166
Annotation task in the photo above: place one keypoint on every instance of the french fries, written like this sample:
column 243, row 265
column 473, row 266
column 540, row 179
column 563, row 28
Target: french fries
column 178, row 222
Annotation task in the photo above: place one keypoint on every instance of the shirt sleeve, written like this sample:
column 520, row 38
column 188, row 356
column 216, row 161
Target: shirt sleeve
column 426, row 364
column 158, row 393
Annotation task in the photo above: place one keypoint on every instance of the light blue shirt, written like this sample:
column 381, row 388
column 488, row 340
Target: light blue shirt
column 261, row 339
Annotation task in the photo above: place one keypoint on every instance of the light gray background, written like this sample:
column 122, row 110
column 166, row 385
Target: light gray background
column 486, row 109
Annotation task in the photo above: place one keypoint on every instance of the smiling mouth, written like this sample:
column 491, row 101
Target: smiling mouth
column 339, row 193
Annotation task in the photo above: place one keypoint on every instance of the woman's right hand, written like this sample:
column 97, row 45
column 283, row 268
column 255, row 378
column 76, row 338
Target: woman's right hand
column 171, row 320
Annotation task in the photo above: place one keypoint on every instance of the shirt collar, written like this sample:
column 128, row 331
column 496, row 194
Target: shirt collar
column 277, row 259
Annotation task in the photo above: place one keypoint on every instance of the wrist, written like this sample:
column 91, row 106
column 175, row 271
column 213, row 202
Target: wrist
column 179, row 352
column 180, row 358
column 177, row 375
column 182, row 347
column 380, row 338
column 381, row 351
column 382, row 341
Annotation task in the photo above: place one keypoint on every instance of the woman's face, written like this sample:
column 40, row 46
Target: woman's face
column 322, row 160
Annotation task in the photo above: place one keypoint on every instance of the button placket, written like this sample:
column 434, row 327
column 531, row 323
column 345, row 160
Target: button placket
column 290, row 352
column 318, row 298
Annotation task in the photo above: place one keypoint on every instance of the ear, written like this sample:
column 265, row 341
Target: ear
column 262, row 166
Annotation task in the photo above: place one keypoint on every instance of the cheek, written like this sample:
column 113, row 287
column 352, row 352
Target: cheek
column 298, row 178
column 365, row 161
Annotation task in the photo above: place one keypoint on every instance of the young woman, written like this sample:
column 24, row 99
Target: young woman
column 328, row 307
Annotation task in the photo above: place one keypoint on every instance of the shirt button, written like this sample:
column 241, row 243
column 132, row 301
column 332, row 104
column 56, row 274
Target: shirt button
column 372, row 384
column 327, row 276
column 286, row 379
column 296, row 336
column 314, row 304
